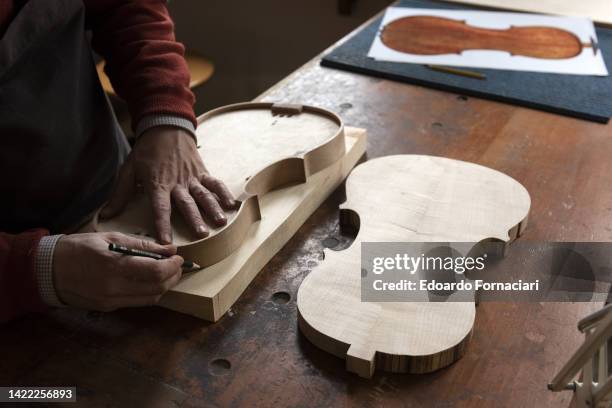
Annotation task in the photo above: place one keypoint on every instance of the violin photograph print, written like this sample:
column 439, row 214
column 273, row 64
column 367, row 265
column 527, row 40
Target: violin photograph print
column 497, row 40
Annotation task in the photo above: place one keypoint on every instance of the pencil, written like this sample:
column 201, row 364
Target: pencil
column 457, row 71
column 137, row 252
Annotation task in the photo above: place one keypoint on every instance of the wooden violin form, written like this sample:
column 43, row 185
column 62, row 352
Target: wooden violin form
column 254, row 148
column 406, row 198
column 430, row 35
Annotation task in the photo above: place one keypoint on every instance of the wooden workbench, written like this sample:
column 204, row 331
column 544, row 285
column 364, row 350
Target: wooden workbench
column 255, row 355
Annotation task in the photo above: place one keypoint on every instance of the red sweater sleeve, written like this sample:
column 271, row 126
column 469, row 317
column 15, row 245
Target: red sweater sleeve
column 144, row 62
column 18, row 287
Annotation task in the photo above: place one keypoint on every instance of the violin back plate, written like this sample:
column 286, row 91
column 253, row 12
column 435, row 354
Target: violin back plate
column 582, row 96
column 488, row 39
column 431, row 35
column 406, row 198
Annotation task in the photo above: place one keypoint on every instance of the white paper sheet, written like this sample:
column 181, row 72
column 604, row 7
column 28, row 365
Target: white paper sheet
column 586, row 63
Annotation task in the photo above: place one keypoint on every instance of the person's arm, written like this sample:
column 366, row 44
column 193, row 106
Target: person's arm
column 19, row 291
column 38, row 271
column 144, row 62
column 146, row 66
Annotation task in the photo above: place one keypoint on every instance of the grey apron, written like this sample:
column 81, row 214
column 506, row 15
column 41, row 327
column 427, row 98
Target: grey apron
column 60, row 144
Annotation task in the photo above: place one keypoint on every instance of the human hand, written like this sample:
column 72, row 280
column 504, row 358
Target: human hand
column 166, row 163
column 87, row 275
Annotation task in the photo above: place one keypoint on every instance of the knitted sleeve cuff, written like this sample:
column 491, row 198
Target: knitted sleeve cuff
column 44, row 270
column 150, row 121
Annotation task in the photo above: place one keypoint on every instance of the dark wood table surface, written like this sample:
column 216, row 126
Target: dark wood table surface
column 255, row 356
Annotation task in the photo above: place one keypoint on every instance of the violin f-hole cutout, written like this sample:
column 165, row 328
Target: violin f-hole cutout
column 420, row 199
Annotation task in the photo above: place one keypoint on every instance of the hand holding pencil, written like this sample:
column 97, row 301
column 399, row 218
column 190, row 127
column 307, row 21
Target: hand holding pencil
column 138, row 252
column 86, row 274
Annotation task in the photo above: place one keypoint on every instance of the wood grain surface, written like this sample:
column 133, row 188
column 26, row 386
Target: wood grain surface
column 419, row 199
column 431, row 35
column 255, row 355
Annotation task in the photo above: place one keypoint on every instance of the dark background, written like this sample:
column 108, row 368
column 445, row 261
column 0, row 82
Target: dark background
column 254, row 44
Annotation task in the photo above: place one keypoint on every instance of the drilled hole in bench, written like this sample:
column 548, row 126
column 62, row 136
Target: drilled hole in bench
column 219, row 366
column 281, row 298
column 330, row 242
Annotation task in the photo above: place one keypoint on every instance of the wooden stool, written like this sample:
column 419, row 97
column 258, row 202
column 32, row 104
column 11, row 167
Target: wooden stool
column 200, row 70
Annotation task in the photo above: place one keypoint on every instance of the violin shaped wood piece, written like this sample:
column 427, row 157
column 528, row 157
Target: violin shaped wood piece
column 406, row 198
column 211, row 292
column 431, row 35
column 254, row 148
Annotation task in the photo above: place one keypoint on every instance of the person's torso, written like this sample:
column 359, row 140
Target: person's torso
column 60, row 144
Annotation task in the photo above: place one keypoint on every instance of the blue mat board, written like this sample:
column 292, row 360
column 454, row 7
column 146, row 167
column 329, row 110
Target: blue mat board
column 584, row 97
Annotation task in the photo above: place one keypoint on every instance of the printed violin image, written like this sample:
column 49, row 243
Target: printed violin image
column 430, row 35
